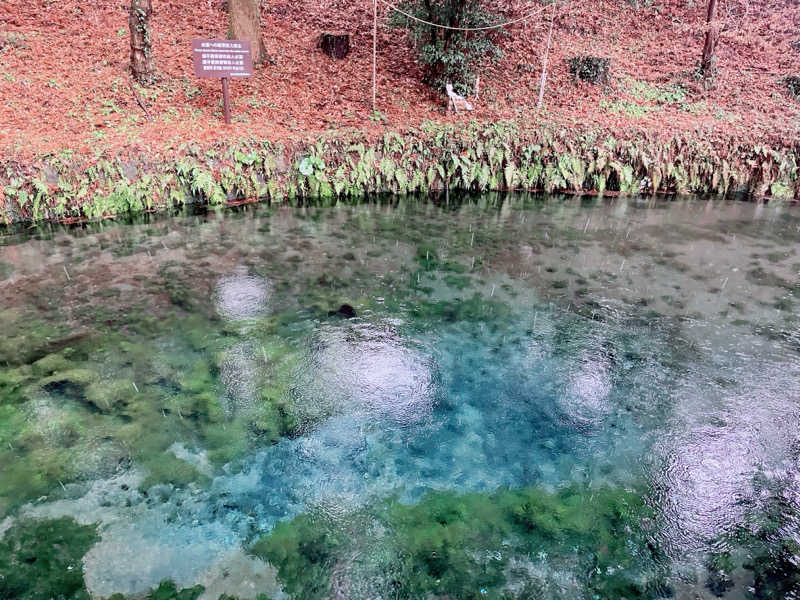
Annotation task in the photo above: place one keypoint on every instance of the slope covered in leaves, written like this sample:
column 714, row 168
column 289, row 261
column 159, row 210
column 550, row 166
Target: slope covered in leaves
column 64, row 79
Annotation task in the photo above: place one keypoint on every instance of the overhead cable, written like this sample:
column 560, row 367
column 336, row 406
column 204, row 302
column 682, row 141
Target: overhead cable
column 484, row 28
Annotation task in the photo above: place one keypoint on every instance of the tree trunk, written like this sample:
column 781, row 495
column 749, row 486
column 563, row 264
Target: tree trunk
column 141, row 41
column 245, row 24
column 707, row 66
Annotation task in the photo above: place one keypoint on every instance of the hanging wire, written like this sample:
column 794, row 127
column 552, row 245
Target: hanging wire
column 485, row 28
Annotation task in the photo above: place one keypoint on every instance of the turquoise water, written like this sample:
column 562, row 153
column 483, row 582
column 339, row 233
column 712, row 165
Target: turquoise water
column 500, row 397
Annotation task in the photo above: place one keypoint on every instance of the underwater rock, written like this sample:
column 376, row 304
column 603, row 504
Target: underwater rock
column 69, row 383
column 345, row 310
column 5, row 270
column 59, row 343
column 26, row 339
column 5, row 525
column 167, row 470
column 109, row 396
column 792, row 83
column 52, row 363
column 12, row 383
column 198, row 459
column 237, row 575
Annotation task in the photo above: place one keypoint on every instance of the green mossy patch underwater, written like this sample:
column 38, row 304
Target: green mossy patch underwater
column 148, row 381
column 765, row 545
column 42, row 560
column 474, row 546
column 118, row 400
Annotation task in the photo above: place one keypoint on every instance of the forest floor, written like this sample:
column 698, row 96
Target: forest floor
column 65, row 83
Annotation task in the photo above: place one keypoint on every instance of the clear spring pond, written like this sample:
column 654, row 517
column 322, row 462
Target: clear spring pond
column 501, row 397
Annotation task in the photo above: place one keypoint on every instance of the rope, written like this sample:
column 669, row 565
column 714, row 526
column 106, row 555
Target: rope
column 485, row 28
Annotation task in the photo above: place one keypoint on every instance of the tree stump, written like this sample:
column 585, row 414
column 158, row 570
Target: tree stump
column 593, row 69
column 792, row 83
column 335, row 45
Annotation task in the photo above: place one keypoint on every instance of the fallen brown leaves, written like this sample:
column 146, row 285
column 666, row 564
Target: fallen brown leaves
column 64, row 80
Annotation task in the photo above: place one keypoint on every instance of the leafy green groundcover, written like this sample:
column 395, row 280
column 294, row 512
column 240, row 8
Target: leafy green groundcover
column 340, row 166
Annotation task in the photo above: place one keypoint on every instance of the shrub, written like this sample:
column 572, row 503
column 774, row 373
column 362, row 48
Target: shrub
column 447, row 55
column 593, row 69
column 792, row 83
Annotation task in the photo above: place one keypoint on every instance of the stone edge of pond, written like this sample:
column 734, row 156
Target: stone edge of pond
column 346, row 166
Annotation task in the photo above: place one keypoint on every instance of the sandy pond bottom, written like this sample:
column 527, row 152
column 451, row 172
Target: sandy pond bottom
column 503, row 397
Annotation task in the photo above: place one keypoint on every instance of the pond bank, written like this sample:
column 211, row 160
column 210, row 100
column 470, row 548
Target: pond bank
column 433, row 158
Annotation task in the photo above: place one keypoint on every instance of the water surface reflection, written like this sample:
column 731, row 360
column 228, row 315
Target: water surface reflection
column 190, row 385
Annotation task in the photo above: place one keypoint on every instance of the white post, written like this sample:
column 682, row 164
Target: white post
column 374, row 52
column 544, row 60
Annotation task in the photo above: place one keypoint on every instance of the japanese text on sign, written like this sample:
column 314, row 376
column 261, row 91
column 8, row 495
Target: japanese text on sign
column 222, row 58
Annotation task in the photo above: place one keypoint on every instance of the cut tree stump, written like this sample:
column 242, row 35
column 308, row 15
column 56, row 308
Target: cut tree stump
column 593, row 69
column 335, row 45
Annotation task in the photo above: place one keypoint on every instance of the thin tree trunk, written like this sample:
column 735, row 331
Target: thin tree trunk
column 141, row 41
column 707, row 66
column 245, row 24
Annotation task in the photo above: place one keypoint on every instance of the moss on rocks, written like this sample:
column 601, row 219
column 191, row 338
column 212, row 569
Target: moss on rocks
column 50, row 364
column 12, row 384
column 110, row 396
column 167, row 468
column 72, row 381
column 28, row 338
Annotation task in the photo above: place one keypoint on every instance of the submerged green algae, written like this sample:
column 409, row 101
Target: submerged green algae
column 474, row 546
column 765, row 546
column 142, row 378
column 41, row 560
column 167, row 590
column 26, row 337
column 124, row 400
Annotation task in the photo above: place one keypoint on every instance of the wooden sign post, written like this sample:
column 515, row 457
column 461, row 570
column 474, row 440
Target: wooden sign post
column 222, row 59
